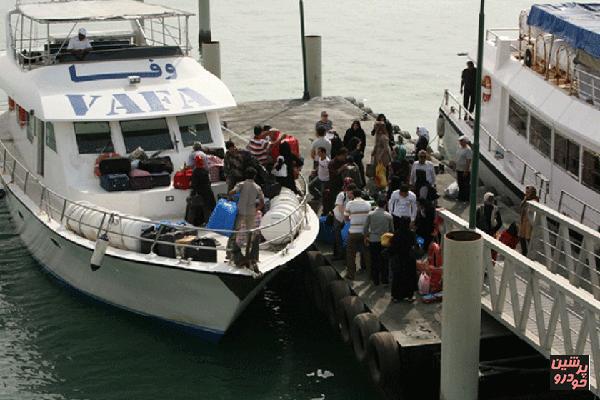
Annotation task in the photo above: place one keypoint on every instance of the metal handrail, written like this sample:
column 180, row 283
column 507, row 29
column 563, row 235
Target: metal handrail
column 544, row 183
column 584, row 206
column 10, row 165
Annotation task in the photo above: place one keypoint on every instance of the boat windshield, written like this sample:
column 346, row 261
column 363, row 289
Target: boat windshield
column 149, row 134
column 194, row 128
column 93, row 137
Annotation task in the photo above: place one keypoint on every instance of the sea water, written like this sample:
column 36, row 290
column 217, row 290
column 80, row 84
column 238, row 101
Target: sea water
column 395, row 56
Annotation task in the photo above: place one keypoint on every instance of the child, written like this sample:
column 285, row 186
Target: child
column 321, row 180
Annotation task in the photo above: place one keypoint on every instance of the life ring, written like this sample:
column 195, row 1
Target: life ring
column 350, row 307
column 337, row 290
column 487, row 88
column 363, row 326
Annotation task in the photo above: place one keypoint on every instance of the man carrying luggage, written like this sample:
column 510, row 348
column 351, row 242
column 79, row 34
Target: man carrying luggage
column 251, row 199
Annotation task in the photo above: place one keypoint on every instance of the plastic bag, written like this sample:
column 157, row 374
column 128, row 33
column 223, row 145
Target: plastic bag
column 423, row 285
column 381, row 176
column 451, row 191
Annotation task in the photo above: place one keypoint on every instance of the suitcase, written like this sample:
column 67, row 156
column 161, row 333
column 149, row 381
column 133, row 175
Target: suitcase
column 114, row 182
column 294, row 147
column 157, row 165
column 150, row 234
column 206, row 255
column 168, row 249
column 183, row 179
column 223, row 217
column 140, row 180
column 214, row 173
column 115, row 165
column 271, row 190
column 161, row 179
column 185, row 241
column 325, row 231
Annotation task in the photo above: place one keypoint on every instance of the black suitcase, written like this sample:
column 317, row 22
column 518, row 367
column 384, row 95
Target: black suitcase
column 116, row 165
column 271, row 190
column 168, row 249
column 140, row 182
column 150, row 234
column 161, row 179
column 157, row 165
column 207, row 255
column 114, row 182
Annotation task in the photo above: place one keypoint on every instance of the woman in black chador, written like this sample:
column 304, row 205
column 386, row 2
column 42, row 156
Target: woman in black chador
column 403, row 262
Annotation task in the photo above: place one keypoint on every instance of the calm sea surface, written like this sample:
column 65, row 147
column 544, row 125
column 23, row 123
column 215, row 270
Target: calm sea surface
column 396, row 56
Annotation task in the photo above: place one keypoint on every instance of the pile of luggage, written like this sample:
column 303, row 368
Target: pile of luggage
column 183, row 178
column 118, row 173
column 167, row 241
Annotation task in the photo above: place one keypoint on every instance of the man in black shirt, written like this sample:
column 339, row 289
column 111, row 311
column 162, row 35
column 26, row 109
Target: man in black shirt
column 467, row 86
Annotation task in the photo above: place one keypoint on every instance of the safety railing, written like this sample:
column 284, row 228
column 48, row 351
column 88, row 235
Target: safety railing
column 588, row 86
column 540, row 307
column 578, row 209
column 566, row 247
column 513, row 164
column 56, row 208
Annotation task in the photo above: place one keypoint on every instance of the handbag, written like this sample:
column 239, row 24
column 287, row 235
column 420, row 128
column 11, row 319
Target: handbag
column 386, row 239
column 370, row 169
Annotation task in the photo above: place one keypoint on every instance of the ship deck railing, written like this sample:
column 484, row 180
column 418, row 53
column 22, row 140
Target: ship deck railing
column 528, row 176
column 54, row 207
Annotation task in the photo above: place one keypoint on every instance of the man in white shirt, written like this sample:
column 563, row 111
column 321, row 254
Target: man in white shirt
column 320, row 141
column 422, row 176
column 341, row 199
column 80, row 45
column 357, row 211
column 403, row 203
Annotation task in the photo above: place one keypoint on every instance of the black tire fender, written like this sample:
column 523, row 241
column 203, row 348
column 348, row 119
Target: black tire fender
column 363, row 326
column 336, row 290
column 350, row 307
column 383, row 360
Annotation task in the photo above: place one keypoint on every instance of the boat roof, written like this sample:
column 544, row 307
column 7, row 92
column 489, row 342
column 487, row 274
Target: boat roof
column 96, row 10
column 576, row 23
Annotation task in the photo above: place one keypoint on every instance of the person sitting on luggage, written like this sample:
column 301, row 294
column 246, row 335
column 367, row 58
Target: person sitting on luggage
column 422, row 176
column 201, row 202
column 251, row 199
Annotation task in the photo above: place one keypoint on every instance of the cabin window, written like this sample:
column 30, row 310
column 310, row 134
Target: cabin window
column 194, row 128
column 566, row 154
column 30, row 127
column 149, row 134
column 517, row 117
column 540, row 136
column 590, row 174
column 93, row 137
column 50, row 138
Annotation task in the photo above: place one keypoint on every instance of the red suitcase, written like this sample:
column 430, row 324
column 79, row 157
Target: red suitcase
column 294, row 146
column 183, row 179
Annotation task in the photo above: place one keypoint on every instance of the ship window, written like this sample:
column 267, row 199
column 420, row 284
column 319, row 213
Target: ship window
column 149, row 134
column 30, row 128
column 50, row 138
column 194, row 128
column 93, row 137
column 517, row 117
column 540, row 136
column 590, row 175
column 566, row 154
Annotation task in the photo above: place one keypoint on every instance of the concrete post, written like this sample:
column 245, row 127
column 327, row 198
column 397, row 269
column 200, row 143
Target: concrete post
column 461, row 315
column 313, row 65
column 204, row 32
column 211, row 57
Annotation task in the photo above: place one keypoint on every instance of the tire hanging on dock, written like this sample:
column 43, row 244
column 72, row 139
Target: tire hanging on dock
column 350, row 307
column 363, row 326
column 383, row 360
column 324, row 275
column 336, row 291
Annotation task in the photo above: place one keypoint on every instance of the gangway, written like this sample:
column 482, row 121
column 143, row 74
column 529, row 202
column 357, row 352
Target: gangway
column 537, row 303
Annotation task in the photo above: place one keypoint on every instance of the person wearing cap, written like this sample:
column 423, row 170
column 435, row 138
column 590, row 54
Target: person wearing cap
column 464, row 155
column 324, row 122
column 80, row 45
column 422, row 176
column 488, row 217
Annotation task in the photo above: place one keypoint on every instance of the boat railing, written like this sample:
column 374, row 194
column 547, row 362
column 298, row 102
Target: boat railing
column 55, row 207
column 520, row 169
column 513, row 34
column 575, row 208
column 588, row 86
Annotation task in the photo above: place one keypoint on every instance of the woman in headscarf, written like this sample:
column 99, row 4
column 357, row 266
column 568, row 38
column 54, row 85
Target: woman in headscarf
column 388, row 127
column 355, row 131
column 201, row 201
column 357, row 155
column 403, row 262
column 381, row 151
column 525, row 225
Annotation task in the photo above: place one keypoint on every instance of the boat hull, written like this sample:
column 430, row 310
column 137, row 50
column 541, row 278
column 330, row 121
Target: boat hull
column 204, row 302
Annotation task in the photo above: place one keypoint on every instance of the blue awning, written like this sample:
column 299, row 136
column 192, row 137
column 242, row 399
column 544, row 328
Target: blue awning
column 577, row 23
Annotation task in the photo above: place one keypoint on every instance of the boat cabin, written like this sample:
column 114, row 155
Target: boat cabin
column 136, row 87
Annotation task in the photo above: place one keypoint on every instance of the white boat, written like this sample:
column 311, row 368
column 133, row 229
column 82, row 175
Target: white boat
column 540, row 110
column 138, row 86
